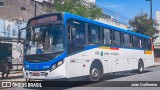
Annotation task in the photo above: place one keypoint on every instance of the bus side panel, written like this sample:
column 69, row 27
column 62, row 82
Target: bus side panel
column 148, row 59
column 79, row 64
column 112, row 60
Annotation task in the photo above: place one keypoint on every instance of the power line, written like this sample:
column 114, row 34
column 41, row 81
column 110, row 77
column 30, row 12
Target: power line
column 115, row 15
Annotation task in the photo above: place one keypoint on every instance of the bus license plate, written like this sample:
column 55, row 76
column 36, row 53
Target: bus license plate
column 35, row 74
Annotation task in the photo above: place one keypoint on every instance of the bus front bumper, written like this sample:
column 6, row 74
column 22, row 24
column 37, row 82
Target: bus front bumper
column 58, row 73
column 42, row 75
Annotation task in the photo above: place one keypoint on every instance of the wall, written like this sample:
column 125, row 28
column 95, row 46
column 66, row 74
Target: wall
column 9, row 28
column 157, row 41
column 11, row 13
column 12, row 9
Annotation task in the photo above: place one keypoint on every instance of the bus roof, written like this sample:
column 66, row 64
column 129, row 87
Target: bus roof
column 69, row 15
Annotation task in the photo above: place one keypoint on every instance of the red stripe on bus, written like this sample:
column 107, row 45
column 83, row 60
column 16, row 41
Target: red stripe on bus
column 114, row 48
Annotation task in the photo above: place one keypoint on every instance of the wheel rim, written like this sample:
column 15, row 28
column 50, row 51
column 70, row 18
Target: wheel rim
column 95, row 74
column 141, row 68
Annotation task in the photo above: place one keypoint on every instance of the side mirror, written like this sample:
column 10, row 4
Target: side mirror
column 73, row 32
column 19, row 34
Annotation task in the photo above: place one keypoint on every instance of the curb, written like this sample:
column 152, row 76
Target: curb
column 157, row 64
column 11, row 77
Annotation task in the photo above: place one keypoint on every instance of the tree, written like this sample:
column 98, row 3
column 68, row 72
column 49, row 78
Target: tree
column 144, row 25
column 78, row 7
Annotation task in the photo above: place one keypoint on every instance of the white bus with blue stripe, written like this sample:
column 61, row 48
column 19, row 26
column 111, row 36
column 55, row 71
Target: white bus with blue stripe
column 64, row 45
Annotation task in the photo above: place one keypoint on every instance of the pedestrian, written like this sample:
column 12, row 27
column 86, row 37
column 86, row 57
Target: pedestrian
column 10, row 61
column 5, row 68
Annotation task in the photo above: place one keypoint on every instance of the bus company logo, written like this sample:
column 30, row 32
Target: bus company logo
column 97, row 52
column 102, row 53
column 6, row 84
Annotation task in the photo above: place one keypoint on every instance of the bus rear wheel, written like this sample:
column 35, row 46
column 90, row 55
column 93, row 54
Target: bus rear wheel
column 95, row 74
column 140, row 67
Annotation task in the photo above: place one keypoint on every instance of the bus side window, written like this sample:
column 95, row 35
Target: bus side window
column 69, row 34
column 143, row 44
column 148, row 41
column 126, row 40
column 122, row 38
column 116, row 38
column 106, row 36
column 131, row 41
column 78, row 36
column 136, row 42
column 75, row 36
column 93, row 34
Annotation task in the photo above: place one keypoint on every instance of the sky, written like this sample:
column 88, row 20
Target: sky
column 130, row 8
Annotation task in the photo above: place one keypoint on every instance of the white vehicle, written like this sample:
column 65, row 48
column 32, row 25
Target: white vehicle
column 16, row 52
column 63, row 45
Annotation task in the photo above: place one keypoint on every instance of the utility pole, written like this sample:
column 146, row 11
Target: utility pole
column 150, row 9
column 35, row 6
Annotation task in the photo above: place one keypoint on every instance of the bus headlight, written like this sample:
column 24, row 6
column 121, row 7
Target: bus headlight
column 53, row 67
column 57, row 65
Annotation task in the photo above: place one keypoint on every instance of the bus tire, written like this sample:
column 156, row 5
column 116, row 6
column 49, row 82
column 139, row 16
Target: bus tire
column 96, row 72
column 140, row 67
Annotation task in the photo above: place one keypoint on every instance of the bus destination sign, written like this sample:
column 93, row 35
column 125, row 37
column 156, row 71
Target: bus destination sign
column 46, row 19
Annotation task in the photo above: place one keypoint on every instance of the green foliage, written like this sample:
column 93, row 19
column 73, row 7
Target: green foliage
column 78, row 7
column 144, row 25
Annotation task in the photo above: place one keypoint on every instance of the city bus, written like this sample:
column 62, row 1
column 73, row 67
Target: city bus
column 64, row 46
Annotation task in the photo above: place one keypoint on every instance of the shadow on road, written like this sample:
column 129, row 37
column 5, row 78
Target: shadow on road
column 122, row 74
column 70, row 84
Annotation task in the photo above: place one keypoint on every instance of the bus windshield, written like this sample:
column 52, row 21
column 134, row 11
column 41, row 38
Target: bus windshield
column 44, row 39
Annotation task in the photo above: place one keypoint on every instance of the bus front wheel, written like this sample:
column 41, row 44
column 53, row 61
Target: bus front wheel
column 95, row 74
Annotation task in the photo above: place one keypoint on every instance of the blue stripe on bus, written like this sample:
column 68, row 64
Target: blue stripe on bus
column 47, row 65
column 32, row 66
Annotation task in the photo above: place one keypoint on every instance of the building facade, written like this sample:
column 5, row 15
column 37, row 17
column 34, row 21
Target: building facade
column 16, row 9
column 14, row 14
column 157, row 41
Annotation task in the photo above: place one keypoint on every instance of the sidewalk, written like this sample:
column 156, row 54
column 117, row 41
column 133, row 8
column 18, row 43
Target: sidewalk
column 13, row 75
column 19, row 74
column 157, row 62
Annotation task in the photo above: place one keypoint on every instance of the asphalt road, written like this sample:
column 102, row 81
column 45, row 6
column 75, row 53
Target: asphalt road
column 115, row 81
